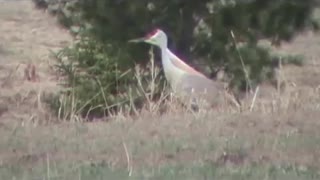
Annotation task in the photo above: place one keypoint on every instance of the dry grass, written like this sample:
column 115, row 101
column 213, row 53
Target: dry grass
column 275, row 136
column 27, row 38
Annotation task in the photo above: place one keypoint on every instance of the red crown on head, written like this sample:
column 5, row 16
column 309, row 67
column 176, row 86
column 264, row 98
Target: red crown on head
column 152, row 33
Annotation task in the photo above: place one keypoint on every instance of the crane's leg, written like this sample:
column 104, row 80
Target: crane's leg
column 194, row 105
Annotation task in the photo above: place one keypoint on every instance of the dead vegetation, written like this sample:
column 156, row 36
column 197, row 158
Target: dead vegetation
column 27, row 38
column 275, row 126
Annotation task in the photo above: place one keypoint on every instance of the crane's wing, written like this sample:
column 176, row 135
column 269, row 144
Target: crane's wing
column 177, row 62
column 193, row 83
column 194, row 87
column 199, row 84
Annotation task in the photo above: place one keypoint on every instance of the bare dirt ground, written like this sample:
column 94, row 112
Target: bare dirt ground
column 283, row 131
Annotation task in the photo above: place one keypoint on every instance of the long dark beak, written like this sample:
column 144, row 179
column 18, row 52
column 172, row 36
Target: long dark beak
column 143, row 39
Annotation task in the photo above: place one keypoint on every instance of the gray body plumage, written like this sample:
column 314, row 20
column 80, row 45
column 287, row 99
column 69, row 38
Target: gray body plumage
column 200, row 90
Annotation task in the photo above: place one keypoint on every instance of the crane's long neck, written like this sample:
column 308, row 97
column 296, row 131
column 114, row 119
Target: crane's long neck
column 171, row 72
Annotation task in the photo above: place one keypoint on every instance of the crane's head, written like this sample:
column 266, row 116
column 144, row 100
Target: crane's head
column 157, row 37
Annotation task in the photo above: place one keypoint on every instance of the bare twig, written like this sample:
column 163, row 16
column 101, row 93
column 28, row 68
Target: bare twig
column 48, row 167
column 242, row 63
column 254, row 99
column 279, row 77
column 129, row 166
column 152, row 88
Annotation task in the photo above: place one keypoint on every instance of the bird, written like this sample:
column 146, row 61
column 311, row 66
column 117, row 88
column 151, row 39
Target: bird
column 190, row 85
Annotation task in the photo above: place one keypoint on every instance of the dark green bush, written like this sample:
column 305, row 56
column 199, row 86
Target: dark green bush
column 98, row 83
column 93, row 74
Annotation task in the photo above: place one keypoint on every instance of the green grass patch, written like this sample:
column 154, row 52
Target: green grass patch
column 95, row 171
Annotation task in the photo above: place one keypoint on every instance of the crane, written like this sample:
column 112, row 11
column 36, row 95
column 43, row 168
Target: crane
column 189, row 84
